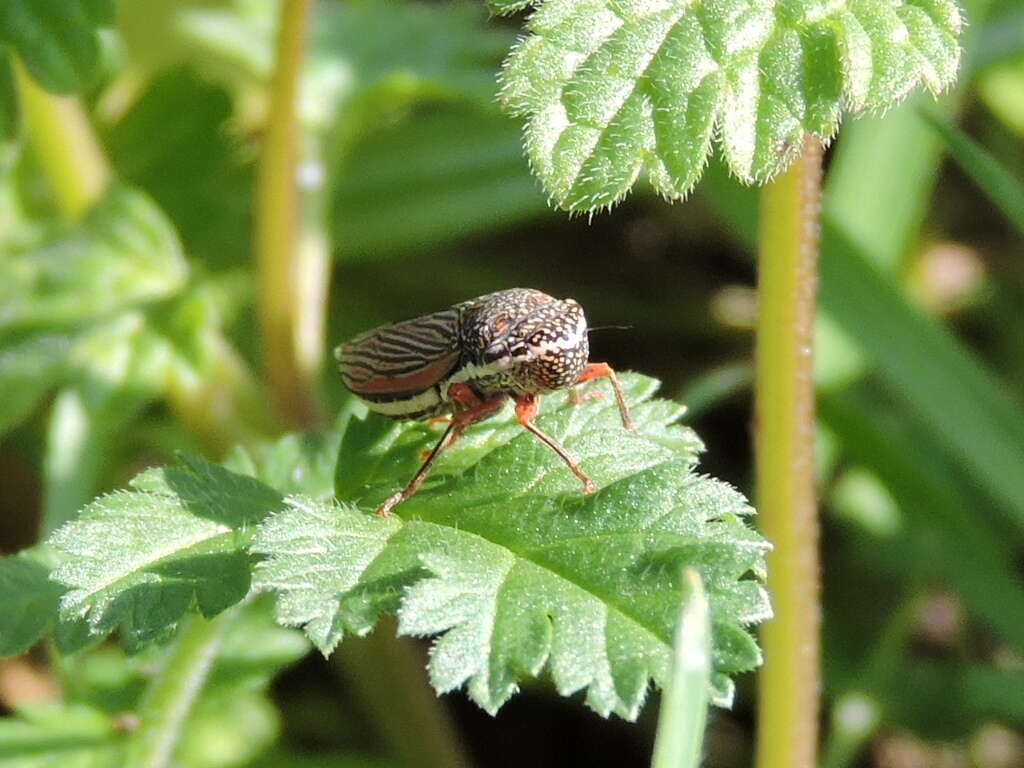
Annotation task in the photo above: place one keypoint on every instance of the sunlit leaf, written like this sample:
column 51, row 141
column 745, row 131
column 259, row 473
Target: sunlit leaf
column 614, row 89
column 512, row 568
column 139, row 560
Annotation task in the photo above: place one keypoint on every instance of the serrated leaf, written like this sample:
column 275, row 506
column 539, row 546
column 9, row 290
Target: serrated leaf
column 514, row 570
column 57, row 39
column 612, row 89
column 139, row 560
column 29, row 598
column 125, row 252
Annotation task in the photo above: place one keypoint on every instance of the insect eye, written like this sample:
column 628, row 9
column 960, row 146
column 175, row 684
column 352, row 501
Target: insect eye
column 495, row 352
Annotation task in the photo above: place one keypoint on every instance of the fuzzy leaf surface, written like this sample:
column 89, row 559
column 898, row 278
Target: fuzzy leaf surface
column 140, row 559
column 512, row 570
column 614, row 88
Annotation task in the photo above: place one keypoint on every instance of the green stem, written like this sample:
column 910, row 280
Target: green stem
column 65, row 145
column 291, row 275
column 787, row 731
column 387, row 675
column 166, row 705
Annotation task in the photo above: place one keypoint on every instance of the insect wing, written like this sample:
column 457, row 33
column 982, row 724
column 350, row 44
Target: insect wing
column 401, row 360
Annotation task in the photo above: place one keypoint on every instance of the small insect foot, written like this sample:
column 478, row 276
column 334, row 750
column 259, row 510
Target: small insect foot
column 384, row 510
column 578, row 398
column 603, row 370
column 526, row 409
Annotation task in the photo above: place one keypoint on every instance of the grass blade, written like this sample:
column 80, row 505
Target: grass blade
column 999, row 185
column 684, row 703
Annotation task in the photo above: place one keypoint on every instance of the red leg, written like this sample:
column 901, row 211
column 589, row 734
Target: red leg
column 601, row 370
column 526, row 409
column 463, row 394
column 481, row 410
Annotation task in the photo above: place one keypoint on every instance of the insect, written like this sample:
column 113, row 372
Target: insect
column 467, row 360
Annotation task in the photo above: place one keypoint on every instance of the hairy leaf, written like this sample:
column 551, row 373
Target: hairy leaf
column 611, row 88
column 139, row 560
column 504, row 560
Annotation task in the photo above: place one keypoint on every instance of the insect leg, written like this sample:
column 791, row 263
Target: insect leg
column 526, row 409
column 601, row 370
column 460, row 422
column 579, row 398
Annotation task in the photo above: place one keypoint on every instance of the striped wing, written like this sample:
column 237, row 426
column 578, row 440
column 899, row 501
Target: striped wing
column 395, row 367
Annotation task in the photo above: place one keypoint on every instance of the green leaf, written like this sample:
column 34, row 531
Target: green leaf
column 254, row 650
column 999, row 185
column 611, row 89
column 197, row 172
column 444, row 172
column 503, row 558
column 407, row 48
column 229, row 42
column 59, row 737
column 125, row 252
column 965, row 409
column 9, row 111
column 296, row 463
column 28, row 369
column 57, row 39
column 140, row 560
column 29, row 599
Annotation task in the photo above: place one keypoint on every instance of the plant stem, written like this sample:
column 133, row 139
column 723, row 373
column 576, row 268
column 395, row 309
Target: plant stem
column 787, row 731
column 386, row 673
column 65, row 145
column 166, row 705
column 291, row 277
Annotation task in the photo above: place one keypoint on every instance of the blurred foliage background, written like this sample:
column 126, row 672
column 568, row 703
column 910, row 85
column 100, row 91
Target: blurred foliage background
column 131, row 332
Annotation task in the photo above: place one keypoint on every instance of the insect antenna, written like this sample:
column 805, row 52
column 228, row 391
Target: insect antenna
column 610, row 328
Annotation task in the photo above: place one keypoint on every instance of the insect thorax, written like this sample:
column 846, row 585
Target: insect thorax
column 521, row 341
